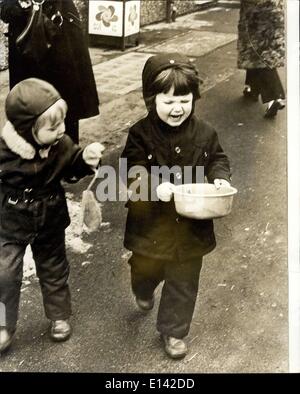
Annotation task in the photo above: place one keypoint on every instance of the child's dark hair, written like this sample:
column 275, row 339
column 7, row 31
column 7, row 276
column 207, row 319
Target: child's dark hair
column 183, row 78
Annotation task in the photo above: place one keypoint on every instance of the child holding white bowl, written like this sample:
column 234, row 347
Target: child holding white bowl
column 168, row 247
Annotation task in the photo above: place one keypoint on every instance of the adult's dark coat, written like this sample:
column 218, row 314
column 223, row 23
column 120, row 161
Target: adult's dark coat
column 261, row 38
column 153, row 228
column 67, row 66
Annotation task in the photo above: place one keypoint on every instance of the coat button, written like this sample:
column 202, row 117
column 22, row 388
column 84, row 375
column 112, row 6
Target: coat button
column 177, row 220
column 177, row 149
column 150, row 156
column 205, row 154
column 178, row 175
column 71, row 19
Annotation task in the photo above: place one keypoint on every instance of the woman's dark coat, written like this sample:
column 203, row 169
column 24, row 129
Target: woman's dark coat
column 261, row 37
column 153, row 228
column 67, row 65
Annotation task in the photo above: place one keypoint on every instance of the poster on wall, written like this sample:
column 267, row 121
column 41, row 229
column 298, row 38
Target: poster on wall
column 132, row 17
column 106, row 18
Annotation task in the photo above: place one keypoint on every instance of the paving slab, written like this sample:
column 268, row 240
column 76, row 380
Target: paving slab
column 122, row 74
column 193, row 43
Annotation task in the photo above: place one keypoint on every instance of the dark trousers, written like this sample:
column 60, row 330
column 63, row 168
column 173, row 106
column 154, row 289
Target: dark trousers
column 179, row 292
column 52, row 270
column 266, row 82
column 72, row 128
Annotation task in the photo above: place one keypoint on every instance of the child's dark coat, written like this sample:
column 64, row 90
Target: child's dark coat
column 153, row 228
column 20, row 218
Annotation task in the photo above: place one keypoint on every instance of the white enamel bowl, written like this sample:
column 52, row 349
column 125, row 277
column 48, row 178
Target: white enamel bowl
column 203, row 200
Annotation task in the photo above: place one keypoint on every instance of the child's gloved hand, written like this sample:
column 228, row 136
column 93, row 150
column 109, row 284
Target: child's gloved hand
column 165, row 191
column 221, row 182
column 92, row 154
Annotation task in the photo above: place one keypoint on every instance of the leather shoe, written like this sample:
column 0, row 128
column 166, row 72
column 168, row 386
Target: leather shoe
column 5, row 339
column 60, row 330
column 145, row 305
column 272, row 109
column 174, row 347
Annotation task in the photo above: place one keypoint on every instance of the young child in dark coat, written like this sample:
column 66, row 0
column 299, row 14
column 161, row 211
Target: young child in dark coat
column 35, row 155
column 168, row 247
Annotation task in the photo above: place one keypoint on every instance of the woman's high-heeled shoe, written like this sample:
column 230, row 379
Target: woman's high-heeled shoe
column 273, row 108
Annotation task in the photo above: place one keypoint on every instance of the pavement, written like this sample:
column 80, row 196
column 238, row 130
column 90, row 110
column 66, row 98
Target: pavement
column 240, row 322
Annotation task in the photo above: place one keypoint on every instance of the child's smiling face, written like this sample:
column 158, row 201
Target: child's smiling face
column 173, row 110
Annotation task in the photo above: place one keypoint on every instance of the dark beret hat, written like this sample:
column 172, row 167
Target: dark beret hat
column 157, row 63
column 28, row 100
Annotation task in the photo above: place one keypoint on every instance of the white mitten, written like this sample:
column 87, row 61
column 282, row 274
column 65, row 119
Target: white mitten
column 165, row 191
column 92, row 154
column 221, row 182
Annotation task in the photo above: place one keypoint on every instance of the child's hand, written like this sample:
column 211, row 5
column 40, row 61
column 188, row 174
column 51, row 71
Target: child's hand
column 221, row 182
column 92, row 154
column 165, row 191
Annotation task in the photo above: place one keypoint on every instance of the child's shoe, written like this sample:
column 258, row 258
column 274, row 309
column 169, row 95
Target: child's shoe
column 5, row 339
column 60, row 330
column 174, row 347
column 145, row 305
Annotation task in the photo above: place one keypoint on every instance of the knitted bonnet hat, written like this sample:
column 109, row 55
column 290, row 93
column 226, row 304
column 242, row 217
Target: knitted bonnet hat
column 27, row 101
column 157, row 63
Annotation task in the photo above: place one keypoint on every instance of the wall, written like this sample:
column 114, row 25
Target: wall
column 151, row 10
column 156, row 10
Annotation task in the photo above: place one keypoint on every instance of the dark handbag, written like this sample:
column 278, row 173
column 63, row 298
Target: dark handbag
column 38, row 36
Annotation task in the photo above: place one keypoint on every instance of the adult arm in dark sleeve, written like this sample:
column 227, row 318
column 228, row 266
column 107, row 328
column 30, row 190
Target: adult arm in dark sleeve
column 11, row 9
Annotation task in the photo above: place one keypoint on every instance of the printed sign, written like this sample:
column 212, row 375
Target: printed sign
column 132, row 17
column 106, row 18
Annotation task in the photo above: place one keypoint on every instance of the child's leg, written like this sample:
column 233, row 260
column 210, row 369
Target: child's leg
column 146, row 273
column 178, row 297
column 52, row 268
column 11, row 272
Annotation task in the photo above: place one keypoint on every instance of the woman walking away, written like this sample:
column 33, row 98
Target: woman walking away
column 261, row 49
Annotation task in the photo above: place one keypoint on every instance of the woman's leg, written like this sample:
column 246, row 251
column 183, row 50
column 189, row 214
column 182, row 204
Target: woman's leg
column 270, row 85
column 267, row 83
column 251, row 89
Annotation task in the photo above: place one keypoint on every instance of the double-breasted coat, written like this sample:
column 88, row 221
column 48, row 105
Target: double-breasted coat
column 67, row 65
column 261, row 36
column 153, row 228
